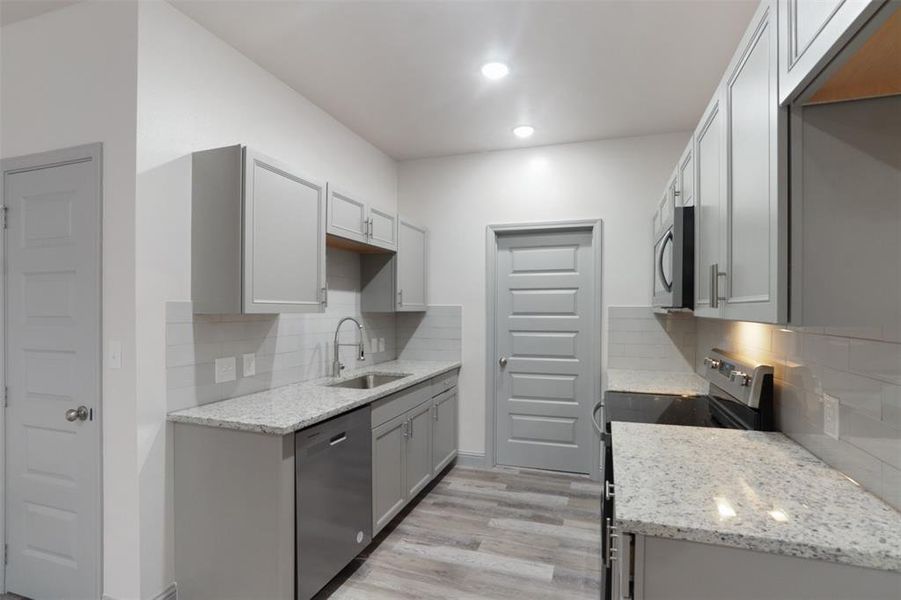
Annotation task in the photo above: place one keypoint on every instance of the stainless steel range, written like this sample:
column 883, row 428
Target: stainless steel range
column 740, row 397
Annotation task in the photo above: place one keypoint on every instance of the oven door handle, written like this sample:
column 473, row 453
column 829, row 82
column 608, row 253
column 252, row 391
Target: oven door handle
column 594, row 419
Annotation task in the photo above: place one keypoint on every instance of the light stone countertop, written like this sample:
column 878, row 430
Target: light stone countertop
column 747, row 489
column 289, row 408
column 656, row 382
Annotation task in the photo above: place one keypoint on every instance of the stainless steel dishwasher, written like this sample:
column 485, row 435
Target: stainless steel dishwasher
column 333, row 463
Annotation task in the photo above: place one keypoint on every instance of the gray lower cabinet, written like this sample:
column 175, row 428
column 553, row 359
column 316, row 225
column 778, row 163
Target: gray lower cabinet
column 444, row 430
column 418, row 460
column 389, row 488
column 654, row 568
column 414, row 436
column 257, row 235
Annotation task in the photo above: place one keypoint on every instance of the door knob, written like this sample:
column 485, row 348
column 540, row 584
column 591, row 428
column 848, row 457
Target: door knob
column 77, row 414
column 502, row 361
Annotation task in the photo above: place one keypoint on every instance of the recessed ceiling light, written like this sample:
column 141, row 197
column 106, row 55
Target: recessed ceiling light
column 495, row 70
column 523, row 131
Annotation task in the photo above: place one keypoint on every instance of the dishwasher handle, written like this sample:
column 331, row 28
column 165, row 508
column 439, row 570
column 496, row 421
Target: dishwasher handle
column 338, row 439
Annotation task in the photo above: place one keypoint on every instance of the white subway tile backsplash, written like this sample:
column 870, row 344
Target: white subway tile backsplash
column 639, row 339
column 879, row 360
column 288, row 347
column 433, row 335
column 828, row 351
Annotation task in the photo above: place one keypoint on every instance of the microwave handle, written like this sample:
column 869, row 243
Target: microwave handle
column 667, row 239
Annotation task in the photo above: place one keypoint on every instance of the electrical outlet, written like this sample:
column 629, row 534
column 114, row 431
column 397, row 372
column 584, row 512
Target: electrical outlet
column 381, row 344
column 250, row 364
column 225, row 369
column 830, row 416
column 373, row 344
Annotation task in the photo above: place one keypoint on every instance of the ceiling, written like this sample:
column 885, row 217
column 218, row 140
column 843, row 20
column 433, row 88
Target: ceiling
column 17, row 10
column 405, row 75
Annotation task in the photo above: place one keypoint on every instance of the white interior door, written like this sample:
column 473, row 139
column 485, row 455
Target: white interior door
column 52, row 364
column 544, row 302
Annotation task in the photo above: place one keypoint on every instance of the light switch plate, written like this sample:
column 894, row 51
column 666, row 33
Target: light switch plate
column 250, row 364
column 225, row 369
column 381, row 344
column 114, row 354
column 830, row 416
column 373, row 344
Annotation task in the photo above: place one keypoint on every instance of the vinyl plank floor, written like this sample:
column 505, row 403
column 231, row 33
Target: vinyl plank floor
column 493, row 534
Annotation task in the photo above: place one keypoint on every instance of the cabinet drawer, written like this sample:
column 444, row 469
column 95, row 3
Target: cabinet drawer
column 385, row 409
column 442, row 383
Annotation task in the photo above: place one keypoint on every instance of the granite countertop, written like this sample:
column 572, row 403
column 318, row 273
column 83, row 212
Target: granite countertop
column 747, row 489
column 286, row 409
column 656, row 382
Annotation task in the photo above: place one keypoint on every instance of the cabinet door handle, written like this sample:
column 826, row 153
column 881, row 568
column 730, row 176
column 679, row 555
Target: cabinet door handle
column 405, row 427
column 371, row 227
column 323, row 296
column 400, row 297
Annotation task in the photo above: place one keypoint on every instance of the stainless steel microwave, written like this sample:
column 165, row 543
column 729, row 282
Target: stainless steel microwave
column 674, row 262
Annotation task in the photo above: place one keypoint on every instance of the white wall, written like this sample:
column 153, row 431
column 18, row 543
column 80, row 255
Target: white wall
column 68, row 78
column 196, row 92
column 616, row 180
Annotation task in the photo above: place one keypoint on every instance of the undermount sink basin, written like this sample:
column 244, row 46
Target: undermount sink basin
column 367, row 382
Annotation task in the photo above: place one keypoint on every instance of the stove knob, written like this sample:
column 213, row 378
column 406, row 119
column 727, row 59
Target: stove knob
column 743, row 378
column 712, row 362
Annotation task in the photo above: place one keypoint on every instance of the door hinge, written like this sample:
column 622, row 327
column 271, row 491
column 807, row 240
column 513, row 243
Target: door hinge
column 5, row 554
column 4, row 210
column 5, row 396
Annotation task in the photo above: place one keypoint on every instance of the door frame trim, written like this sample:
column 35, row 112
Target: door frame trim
column 32, row 162
column 492, row 232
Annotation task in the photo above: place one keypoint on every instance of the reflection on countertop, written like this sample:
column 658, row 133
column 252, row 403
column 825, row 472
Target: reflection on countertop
column 748, row 489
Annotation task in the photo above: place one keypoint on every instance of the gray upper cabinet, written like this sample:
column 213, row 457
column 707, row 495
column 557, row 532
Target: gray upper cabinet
column 756, row 209
column 347, row 217
column 412, row 267
column 740, row 164
column 382, row 229
column 811, row 32
column 355, row 220
column 258, row 235
column 686, row 186
column 710, row 201
column 398, row 282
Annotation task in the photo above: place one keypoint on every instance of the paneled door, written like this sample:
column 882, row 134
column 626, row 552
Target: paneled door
column 52, row 365
column 543, row 329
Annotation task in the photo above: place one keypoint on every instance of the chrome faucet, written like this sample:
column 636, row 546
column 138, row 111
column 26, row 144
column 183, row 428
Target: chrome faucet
column 336, row 364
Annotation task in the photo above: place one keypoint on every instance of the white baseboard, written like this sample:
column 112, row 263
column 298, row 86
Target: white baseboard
column 170, row 593
column 470, row 459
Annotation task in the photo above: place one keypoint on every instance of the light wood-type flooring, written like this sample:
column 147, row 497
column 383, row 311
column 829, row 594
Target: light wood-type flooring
column 486, row 534
column 500, row 533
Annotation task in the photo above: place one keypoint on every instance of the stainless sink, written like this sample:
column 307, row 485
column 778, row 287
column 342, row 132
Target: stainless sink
column 367, row 382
